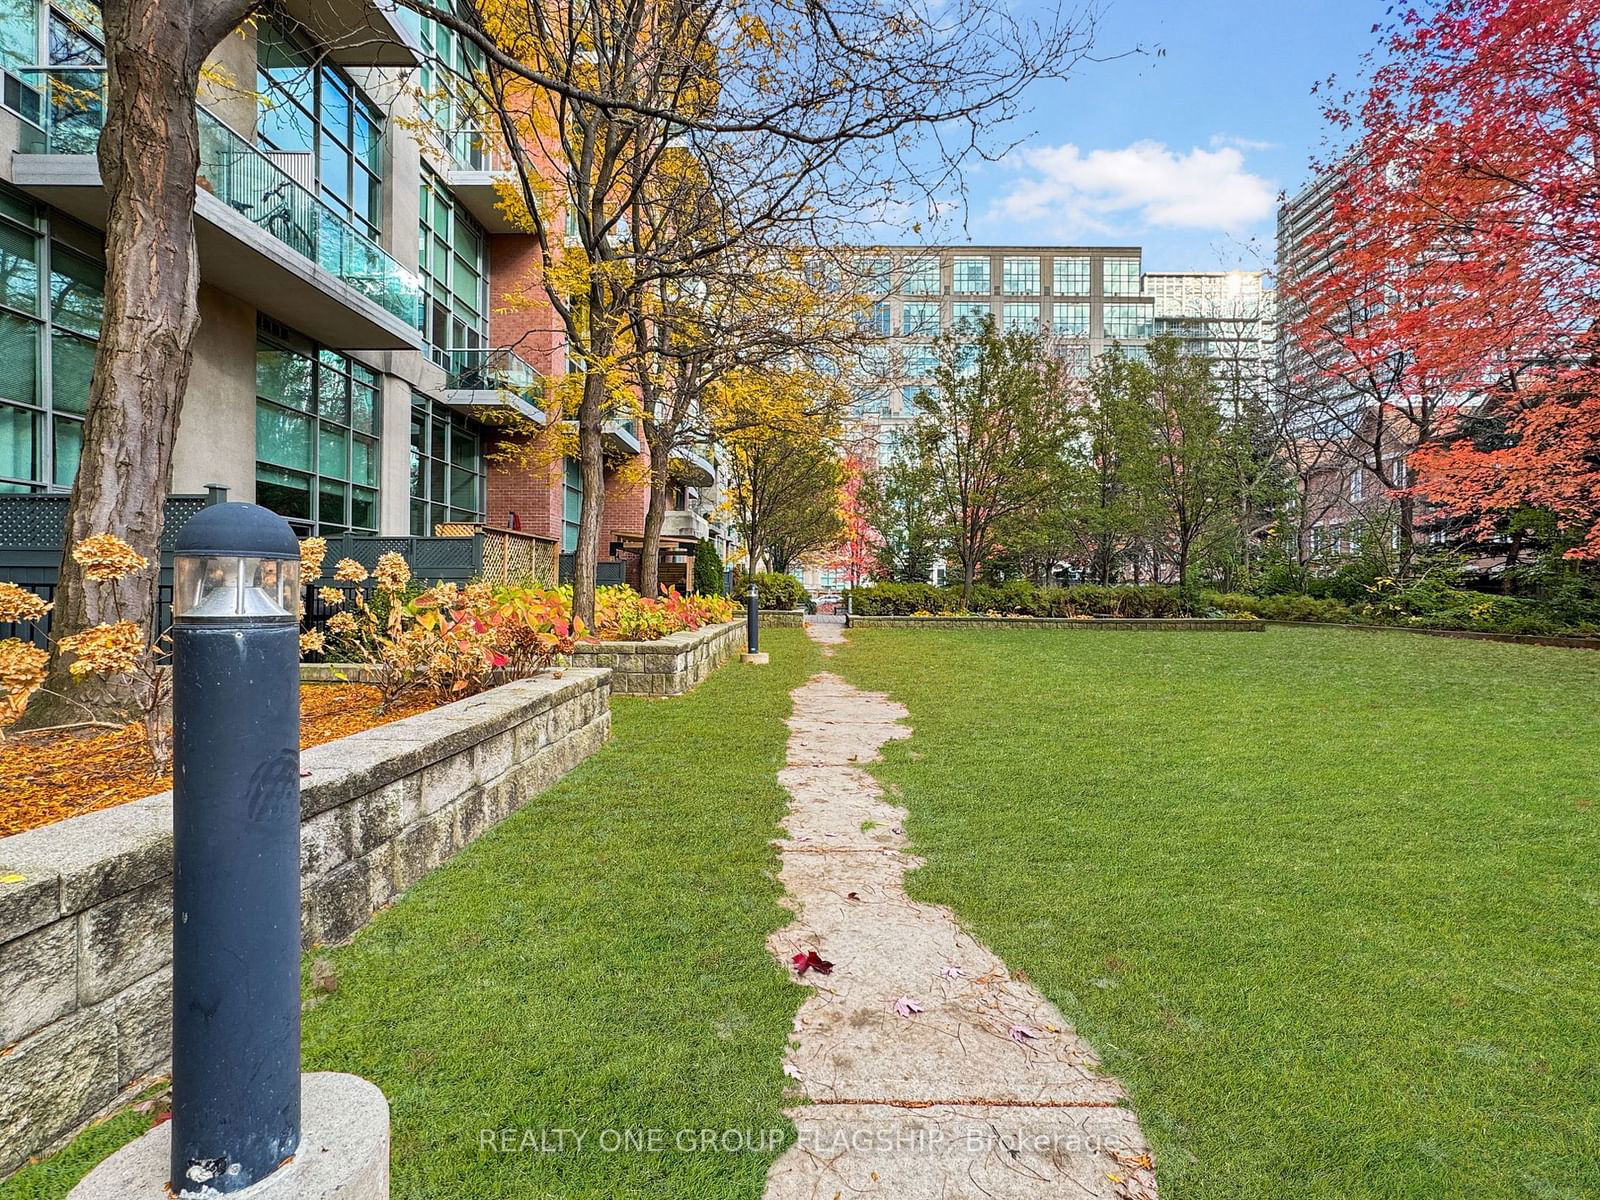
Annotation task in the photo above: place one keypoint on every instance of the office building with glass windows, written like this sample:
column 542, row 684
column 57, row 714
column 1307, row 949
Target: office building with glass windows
column 354, row 357
column 1083, row 299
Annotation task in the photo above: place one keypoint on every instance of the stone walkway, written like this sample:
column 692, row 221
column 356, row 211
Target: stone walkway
column 930, row 1071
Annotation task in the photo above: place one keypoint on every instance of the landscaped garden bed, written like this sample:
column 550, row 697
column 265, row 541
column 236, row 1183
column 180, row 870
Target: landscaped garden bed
column 998, row 621
column 52, row 776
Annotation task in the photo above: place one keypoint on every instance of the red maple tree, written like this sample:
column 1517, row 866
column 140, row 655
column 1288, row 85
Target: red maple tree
column 1462, row 268
column 856, row 553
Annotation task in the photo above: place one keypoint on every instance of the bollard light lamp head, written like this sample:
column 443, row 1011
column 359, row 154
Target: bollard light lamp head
column 236, row 562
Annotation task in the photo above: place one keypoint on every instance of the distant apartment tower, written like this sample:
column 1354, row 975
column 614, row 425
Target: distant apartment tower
column 1230, row 317
column 1301, row 220
column 1084, row 298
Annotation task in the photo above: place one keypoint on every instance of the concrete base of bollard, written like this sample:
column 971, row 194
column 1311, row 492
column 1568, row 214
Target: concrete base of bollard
column 754, row 660
column 344, row 1152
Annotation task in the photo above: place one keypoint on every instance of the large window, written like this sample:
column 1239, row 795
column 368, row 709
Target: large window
column 452, row 252
column 1121, row 276
column 1021, row 317
column 1070, row 320
column 571, row 503
column 970, row 276
column 921, row 361
column 922, row 277
column 910, row 401
column 879, row 320
column 317, row 432
column 1128, row 320
column 315, row 124
column 1069, row 275
column 446, row 467
column 973, row 314
column 449, row 62
column 873, row 276
column 50, row 305
column 1021, row 276
column 919, row 318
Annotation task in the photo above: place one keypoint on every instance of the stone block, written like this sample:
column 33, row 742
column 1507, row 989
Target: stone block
column 493, row 757
column 335, row 906
column 422, row 847
column 377, row 818
column 97, row 855
column 444, row 782
column 32, row 898
column 123, row 940
column 326, row 841
column 142, row 1017
column 38, row 979
column 53, row 1082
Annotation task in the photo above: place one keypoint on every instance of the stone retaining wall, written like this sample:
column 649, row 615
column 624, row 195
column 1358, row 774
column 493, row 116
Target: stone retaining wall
column 670, row 666
column 1558, row 640
column 776, row 618
column 1189, row 624
column 86, row 903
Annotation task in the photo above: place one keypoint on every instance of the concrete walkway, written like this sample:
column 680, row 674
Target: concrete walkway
column 930, row 1071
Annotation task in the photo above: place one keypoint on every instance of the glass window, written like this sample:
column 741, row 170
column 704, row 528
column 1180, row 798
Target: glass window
column 19, row 34
column 1070, row 320
column 909, row 404
column 1121, row 276
column 970, row 276
column 1070, row 275
column 42, row 405
column 1021, row 276
column 1021, row 317
column 922, row 277
column 1076, row 359
column 308, row 106
column 919, row 318
column 921, row 360
column 572, row 504
column 974, row 314
column 447, row 469
column 449, row 98
column 306, row 443
column 1123, row 321
column 873, row 275
column 452, row 253
column 879, row 320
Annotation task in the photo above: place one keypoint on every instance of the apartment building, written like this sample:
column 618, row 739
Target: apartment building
column 1084, row 298
column 354, row 363
column 1230, row 317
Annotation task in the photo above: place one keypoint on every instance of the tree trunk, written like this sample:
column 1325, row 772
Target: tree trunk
column 967, row 572
column 1408, row 517
column 655, row 515
column 149, row 156
column 585, row 561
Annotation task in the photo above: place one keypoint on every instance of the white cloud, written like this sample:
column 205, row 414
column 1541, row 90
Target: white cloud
column 1240, row 143
column 1100, row 190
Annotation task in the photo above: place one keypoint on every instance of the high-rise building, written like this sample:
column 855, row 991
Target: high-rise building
column 1228, row 316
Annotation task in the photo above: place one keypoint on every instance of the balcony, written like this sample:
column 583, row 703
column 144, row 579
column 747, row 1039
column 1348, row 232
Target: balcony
column 337, row 286
column 684, row 524
column 620, row 438
column 359, row 33
column 693, row 467
column 475, row 162
column 484, row 380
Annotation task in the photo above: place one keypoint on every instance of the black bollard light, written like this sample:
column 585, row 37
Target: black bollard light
column 752, row 620
column 235, row 849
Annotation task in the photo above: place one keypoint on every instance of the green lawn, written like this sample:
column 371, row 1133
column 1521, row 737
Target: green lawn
column 1329, row 902
column 595, row 963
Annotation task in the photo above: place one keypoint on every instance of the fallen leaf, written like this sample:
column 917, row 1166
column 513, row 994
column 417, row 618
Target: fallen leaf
column 810, row 960
column 950, row 971
column 905, row 1006
column 1021, row 1033
column 791, row 1071
column 847, row 895
column 20, row 878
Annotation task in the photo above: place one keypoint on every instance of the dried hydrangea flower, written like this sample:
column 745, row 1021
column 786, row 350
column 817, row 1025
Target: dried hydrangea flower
column 312, row 551
column 19, row 604
column 392, row 571
column 112, row 649
column 348, row 570
column 311, row 642
column 105, row 557
column 331, row 596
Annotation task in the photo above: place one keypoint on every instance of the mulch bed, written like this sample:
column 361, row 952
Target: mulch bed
column 49, row 777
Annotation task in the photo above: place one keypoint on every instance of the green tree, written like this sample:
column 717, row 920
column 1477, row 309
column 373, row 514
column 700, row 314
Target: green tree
column 1180, row 461
column 707, row 568
column 993, row 436
column 899, row 509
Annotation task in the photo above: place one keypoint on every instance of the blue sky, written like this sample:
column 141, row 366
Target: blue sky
column 1182, row 152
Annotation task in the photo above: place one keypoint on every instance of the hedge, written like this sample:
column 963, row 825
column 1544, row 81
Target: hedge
column 1423, row 606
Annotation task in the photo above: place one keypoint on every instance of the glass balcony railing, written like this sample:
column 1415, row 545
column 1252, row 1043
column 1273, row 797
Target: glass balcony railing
column 72, row 111
column 485, row 370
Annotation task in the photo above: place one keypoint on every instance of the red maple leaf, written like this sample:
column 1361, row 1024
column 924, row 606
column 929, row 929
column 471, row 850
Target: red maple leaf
column 810, row 960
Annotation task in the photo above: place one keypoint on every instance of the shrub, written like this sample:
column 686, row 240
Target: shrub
column 707, row 568
column 774, row 590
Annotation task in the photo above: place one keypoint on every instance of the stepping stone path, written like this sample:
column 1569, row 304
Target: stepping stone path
column 929, row 1069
